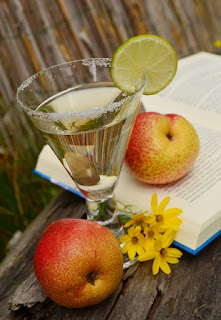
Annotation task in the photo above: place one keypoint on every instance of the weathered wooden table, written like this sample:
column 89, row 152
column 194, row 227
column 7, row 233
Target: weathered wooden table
column 192, row 291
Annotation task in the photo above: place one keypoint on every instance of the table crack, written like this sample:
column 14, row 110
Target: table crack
column 155, row 304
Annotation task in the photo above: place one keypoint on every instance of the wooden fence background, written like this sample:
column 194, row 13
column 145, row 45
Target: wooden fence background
column 35, row 34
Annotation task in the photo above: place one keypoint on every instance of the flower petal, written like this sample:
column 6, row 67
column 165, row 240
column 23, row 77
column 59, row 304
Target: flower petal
column 172, row 223
column 172, row 212
column 175, row 220
column 158, row 235
column 148, row 244
column 144, row 224
column 147, row 255
column 129, row 223
column 172, row 260
column 131, row 252
column 154, row 205
column 139, row 249
column 157, row 245
column 156, row 265
column 137, row 231
column 151, row 220
column 140, row 215
column 141, row 240
column 126, row 247
column 124, row 238
column 168, row 238
column 130, row 231
column 163, row 205
column 173, row 252
column 164, row 266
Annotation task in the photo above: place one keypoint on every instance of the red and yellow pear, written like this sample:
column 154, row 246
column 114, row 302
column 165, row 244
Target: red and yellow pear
column 78, row 262
column 162, row 148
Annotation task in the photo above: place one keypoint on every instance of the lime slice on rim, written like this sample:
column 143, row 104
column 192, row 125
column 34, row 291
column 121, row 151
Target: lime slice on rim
column 144, row 53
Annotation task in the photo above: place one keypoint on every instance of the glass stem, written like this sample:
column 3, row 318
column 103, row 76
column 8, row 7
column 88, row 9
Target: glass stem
column 106, row 213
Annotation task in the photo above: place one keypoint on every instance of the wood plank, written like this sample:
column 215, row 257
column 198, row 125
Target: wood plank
column 192, row 290
column 18, row 265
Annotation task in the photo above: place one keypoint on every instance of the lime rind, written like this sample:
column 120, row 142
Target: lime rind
column 144, row 53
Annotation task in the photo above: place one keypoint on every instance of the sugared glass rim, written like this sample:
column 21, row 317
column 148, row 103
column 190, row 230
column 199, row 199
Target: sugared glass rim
column 95, row 112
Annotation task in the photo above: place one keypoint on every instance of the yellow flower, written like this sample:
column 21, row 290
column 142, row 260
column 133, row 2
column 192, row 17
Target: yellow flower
column 138, row 220
column 217, row 44
column 133, row 242
column 165, row 219
column 162, row 254
column 152, row 233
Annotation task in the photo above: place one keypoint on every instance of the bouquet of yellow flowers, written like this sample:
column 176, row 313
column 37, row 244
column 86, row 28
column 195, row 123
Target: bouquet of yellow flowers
column 150, row 234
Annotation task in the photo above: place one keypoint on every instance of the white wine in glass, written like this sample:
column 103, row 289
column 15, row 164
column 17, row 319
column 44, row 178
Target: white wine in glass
column 87, row 122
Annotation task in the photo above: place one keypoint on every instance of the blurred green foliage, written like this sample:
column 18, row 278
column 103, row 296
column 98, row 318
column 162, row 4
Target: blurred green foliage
column 23, row 195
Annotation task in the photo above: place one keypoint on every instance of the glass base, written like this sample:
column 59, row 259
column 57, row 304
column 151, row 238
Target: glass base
column 127, row 262
column 106, row 213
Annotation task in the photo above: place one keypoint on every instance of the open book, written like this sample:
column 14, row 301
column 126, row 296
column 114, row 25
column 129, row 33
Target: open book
column 195, row 93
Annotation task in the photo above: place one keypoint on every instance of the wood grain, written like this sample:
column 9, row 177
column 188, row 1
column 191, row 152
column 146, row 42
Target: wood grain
column 192, row 291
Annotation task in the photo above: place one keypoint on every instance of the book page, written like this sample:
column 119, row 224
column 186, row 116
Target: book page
column 197, row 216
column 202, row 184
column 164, row 105
column 206, row 171
column 197, row 82
column 200, row 218
column 197, row 193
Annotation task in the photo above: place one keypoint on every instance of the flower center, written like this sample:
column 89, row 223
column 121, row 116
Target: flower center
column 159, row 218
column 163, row 252
column 138, row 222
column 150, row 233
column 134, row 240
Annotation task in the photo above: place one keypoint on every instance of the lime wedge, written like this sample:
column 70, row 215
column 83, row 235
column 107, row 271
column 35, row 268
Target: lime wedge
column 144, row 53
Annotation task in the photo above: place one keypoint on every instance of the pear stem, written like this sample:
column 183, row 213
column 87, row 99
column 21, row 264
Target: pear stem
column 169, row 136
column 91, row 277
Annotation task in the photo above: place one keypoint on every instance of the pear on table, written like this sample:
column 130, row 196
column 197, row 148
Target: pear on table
column 78, row 262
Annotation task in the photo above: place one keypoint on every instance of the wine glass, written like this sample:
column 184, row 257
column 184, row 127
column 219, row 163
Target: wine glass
column 87, row 122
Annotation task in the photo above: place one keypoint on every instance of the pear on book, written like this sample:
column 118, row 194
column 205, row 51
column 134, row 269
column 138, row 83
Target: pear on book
column 162, row 148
